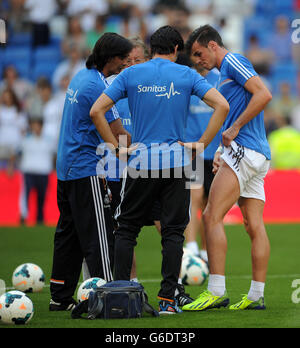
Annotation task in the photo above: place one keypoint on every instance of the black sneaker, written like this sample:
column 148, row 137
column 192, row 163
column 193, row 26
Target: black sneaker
column 181, row 297
column 64, row 306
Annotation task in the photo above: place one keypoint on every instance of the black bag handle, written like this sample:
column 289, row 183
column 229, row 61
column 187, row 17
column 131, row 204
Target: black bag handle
column 95, row 305
column 147, row 307
column 92, row 306
column 79, row 309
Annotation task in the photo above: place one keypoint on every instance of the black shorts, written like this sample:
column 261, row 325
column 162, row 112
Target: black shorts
column 208, row 176
column 115, row 188
column 154, row 214
column 207, row 180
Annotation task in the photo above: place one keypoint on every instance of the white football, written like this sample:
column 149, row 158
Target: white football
column 15, row 308
column 87, row 286
column 187, row 252
column 28, row 277
column 194, row 270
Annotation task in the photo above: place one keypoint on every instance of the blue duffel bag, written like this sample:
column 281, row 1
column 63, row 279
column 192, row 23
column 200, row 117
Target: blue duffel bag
column 115, row 300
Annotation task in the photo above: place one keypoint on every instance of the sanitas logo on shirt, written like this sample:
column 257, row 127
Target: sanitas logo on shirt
column 73, row 95
column 162, row 90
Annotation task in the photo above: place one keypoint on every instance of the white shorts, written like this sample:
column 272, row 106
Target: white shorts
column 250, row 167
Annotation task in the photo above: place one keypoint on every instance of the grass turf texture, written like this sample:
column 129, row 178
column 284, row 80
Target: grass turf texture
column 25, row 244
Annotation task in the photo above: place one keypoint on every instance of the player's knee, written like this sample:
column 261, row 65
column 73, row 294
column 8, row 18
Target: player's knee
column 254, row 227
column 209, row 218
column 246, row 225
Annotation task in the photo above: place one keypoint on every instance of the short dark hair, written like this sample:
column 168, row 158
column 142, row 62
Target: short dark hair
column 165, row 39
column 203, row 36
column 109, row 45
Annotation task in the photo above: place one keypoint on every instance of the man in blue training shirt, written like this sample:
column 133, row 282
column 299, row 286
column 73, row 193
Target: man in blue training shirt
column 158, row 94
column 139, row 54
column 199, row 116
column 240, row 173
column 85, row 228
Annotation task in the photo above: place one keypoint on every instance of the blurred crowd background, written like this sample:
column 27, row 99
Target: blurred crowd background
column 48, row 42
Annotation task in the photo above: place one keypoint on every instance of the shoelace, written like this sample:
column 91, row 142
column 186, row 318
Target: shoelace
column 245, row 297
column 204, row 294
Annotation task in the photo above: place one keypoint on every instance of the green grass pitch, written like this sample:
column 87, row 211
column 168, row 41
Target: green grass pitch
column 20, row 245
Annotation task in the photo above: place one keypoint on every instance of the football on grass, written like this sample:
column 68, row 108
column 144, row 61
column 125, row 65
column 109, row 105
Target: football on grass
column 15, row 308
column 28, row 277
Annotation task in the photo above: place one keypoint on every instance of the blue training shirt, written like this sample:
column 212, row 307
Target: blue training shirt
column 235, row 71
column 114, row 168
column 124, row 113
column 79, row 139
column 199, row 117
column 158, row 93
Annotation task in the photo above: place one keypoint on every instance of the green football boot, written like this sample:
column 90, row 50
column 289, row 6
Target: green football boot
column 247, row 304
column 207, row 300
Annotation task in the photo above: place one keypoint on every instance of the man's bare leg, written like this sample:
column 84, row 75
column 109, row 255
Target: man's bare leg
column 252, row 210
column 224, row 193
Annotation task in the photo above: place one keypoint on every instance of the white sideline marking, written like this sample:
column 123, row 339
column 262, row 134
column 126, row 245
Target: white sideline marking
column 271, row 276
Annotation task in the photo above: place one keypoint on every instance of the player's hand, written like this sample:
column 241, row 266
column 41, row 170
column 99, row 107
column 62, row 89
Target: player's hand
column 125, row 152
column 229, row 135
column 196, row 148
column 217, row 162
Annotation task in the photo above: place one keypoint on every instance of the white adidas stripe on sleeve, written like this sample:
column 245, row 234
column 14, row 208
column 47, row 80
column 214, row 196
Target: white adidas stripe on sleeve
column 239, row 67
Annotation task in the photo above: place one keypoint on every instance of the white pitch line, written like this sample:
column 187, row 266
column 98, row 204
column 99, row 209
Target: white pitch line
column 271, row 276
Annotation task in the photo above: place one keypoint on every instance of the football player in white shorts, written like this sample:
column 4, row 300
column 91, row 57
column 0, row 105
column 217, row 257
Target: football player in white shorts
column 240, row 171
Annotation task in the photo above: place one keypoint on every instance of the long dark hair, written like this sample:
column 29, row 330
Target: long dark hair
column 15, row 100
column 109, row 45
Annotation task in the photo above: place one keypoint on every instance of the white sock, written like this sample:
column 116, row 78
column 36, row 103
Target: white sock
column 256, row 291
column 216, row 284
column 134, row 280
column 203, row 255
column 193, row 247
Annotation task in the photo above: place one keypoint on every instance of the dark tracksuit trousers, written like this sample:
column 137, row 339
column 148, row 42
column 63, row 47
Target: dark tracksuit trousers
column 84, row 231
column 138, row 196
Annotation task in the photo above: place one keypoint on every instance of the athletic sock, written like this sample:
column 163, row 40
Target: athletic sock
column 216, row 284
column 256, row 291
column 193, row 247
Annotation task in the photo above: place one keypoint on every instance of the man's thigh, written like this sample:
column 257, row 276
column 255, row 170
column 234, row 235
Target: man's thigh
column 224, row 193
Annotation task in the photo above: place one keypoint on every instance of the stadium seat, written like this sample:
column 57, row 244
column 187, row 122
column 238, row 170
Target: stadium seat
column 1, row 63
column 258, row 26
column 12, row 54
column 20, row 39
column 286, row 6
column 43, row 69
column 264, row 7
column 267, row 7
column 51, row 54
column 288, row 69
column 20, row 57
column 55, row 41
column 285, row 73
